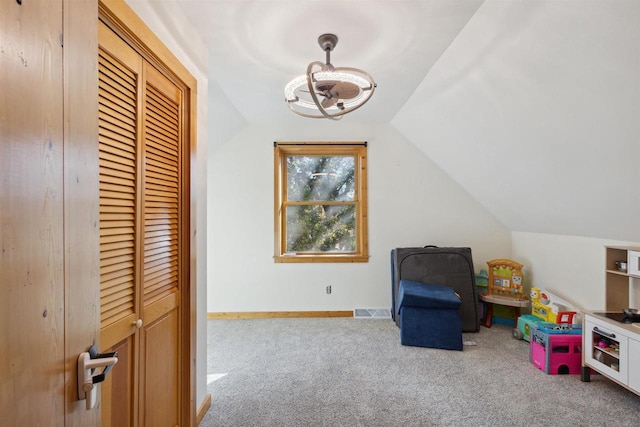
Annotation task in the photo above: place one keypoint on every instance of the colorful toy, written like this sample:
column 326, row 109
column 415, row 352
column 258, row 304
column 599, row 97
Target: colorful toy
column 550, row 307
column 482, row 281
column 545, row 307
column 504, row 288
column 505, row 278
column 556, row 348
column 505, row 315
column 523, row 329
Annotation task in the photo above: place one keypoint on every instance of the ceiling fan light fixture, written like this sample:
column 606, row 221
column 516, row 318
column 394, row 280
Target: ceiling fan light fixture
column 327, row 91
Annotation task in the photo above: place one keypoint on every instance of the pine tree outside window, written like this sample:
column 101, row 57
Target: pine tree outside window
column 320, row 202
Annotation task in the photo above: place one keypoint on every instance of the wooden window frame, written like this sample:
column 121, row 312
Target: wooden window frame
column 284, row 149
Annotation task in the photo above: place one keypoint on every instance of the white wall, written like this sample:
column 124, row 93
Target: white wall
column 193, row 55
column 571, row 266
column 411, row 203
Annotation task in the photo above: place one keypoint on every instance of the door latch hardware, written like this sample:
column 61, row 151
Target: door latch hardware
column 88, row 362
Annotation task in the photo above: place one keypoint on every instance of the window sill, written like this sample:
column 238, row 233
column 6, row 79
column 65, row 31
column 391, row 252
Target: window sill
column 320, row 258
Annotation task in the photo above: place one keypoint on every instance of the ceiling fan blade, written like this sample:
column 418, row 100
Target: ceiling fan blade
column 329, row 102
column 345, row 90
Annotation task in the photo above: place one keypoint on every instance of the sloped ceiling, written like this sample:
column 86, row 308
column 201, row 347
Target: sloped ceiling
column 533, row 107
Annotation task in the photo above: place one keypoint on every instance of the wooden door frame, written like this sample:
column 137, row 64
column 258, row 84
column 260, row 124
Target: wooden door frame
column 124, row 22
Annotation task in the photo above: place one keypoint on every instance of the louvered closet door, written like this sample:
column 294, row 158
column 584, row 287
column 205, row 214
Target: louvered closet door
column 160, row 373
column 141, row 129
column 120, row 93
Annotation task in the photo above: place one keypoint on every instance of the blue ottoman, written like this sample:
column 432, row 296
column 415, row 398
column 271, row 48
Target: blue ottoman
column 429, row 316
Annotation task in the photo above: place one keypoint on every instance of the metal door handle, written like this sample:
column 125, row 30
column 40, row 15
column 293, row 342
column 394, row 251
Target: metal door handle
column 601, row 332
column 88, row 362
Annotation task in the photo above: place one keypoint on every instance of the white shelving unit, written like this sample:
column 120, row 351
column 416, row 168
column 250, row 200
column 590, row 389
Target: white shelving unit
column 610, row 346
column 622, row 286
column 612, row 349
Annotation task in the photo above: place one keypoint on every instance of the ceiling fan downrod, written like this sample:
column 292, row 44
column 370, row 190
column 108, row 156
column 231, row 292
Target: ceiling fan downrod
column 328, row 42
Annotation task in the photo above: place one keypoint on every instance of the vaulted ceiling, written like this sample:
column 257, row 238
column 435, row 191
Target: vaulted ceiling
column 533, row 107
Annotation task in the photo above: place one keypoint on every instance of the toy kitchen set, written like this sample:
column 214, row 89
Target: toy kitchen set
column 611, row 338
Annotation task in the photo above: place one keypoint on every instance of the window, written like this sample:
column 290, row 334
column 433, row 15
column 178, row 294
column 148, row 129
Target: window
column 320, row 202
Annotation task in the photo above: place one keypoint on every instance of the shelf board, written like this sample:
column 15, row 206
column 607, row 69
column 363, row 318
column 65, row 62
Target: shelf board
column 618, row 272
column 610, row 353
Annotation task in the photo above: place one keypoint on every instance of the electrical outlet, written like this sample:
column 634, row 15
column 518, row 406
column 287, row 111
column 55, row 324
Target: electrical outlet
column 328, row 289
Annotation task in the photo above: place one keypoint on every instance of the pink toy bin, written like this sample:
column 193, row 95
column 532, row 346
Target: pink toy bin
column 556, row 349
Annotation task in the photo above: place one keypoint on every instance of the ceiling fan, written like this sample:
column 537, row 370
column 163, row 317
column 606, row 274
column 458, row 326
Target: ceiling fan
column 334, row 92
column 342, row 89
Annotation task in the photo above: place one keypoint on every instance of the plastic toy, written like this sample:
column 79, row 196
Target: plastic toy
column 504, row 288
column 482, row 279
column 505, row 278
column 550, row 307
column 556, row 348
column 482, row 282
column 522, row 331
column 545, row 307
